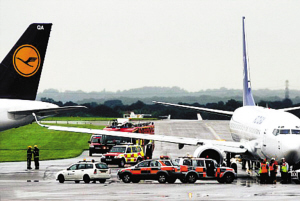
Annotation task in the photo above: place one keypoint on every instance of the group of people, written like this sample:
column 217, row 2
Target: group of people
column 268, row 171
column 36, row 156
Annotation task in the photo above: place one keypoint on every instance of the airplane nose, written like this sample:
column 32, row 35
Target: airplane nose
column 291, row 148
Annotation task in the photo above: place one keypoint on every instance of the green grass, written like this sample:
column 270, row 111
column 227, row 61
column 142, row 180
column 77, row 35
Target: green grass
column 52, row 144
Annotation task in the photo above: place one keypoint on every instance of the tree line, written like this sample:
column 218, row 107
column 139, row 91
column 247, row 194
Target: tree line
column 115, row 108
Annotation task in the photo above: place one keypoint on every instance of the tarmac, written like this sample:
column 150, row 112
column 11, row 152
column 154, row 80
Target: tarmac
column 18, row 183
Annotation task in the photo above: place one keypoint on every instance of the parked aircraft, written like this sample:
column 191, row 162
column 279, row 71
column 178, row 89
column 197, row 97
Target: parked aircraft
column 20, row 73
column 257, row 132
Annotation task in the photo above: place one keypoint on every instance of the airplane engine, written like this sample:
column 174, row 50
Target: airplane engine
column 209, row 152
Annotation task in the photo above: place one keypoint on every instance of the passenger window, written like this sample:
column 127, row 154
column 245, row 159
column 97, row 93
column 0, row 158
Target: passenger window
column 155, row 164
column 73, row 167
column 134, row 150
column 167, row 163
column 89, row 166
column 101, row 166
column 143, row 164
column 275, row 132
column 81, row 166
column 128, row 150
column 187, row 162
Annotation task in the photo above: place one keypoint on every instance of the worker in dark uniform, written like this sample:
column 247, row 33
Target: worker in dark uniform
column 36, row 156
column 149, row 150
column 263, row 172
column 273, row 171
column 29, row 156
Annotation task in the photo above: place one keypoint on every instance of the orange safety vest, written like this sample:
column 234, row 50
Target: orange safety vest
column 263, row 168
column 272, row 166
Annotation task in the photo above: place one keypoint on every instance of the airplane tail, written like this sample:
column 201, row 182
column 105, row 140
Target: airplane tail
column 20, row 70
column 247, row 93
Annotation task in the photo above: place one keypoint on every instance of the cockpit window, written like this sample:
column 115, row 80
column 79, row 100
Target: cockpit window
column 285, row 131
column 296, row 131
column 275, row 132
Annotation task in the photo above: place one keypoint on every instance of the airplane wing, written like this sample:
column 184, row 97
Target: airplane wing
column 227, row 113
column 289, row 109
column 46, row 111
column 232, row 147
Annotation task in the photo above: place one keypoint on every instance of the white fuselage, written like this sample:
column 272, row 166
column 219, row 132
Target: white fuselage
column 9, row 120
column 268, row 133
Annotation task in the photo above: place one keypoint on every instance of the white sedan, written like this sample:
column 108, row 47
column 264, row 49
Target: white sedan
column 85, row 171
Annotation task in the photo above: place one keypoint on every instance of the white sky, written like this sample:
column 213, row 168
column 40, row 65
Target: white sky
column 119, row 45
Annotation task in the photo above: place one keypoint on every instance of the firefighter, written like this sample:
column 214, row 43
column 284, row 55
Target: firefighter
column 36, row 156
column 29, row 156
column 273, row 171
column 264, row 167
column 284, row 168
column 149, row 150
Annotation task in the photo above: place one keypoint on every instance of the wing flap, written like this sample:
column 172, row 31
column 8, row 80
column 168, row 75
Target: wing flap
column 46, row 111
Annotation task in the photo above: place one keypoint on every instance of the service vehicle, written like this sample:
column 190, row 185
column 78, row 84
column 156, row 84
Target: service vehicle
column 103, row 143
column 85, row 171
column 162, row 170
column 295, row 176
column 194, row 169
column 124, row 154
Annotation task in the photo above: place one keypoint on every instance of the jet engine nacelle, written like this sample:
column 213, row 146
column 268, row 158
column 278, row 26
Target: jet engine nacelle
column 209, row 152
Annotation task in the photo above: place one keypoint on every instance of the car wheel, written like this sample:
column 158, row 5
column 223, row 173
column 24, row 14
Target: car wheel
column 228, row 178
column 86, row 179
column 61, row 178
column 122, row 163
column 191, row 178
column 171, row 180
column 126, row 178
column 162, row 178
column 77, row 181
column 102, row 181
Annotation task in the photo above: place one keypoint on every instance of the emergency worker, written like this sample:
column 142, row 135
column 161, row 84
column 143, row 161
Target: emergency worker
column 273, row 171
column 29, row 156
column 149, row 150
column 36, row 156
column 284, row 168
column 263, row 171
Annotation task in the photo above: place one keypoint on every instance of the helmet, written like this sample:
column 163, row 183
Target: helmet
column 29, row 147
column 35, row 145
column 272, row 159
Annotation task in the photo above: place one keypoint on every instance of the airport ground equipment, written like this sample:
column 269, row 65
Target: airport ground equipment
column 204, row 169
column 124, row 154
column 102, row 143
column 85, row 171
column 162, row 170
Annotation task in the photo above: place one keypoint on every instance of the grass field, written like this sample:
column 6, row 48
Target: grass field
column 52, row 144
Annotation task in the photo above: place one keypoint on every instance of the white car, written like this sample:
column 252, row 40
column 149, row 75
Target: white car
column 85, row 171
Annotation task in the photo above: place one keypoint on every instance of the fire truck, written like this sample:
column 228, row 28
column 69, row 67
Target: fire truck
column 102, row 144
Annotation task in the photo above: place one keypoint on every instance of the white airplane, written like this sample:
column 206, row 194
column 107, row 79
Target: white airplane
column 20, row 73
column 257, row 132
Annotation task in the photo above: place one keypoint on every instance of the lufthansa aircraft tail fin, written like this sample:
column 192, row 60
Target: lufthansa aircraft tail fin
column 247, row 93
column 20, row 71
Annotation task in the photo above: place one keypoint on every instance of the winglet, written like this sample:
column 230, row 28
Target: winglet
column 247, row 93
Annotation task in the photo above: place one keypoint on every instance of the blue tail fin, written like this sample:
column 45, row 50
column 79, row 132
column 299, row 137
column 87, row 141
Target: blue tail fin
column 247, row 94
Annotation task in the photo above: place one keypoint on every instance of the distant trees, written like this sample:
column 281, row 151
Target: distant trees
column 115, row 108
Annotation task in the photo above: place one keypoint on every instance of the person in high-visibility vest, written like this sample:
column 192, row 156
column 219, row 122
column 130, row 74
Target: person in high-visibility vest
column 273, row 171
column 263, row 171
column 284, row 169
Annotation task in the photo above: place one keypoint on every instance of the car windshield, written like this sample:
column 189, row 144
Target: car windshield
column 96, row 140
column 294, row 131
column 118, row 150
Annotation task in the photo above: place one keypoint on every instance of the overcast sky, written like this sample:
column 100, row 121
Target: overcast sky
column 196, row 45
